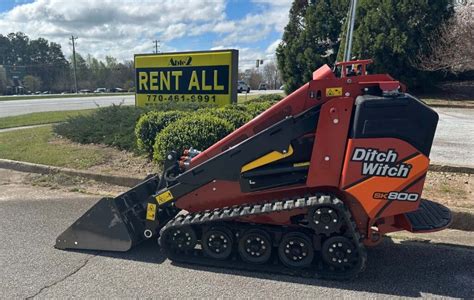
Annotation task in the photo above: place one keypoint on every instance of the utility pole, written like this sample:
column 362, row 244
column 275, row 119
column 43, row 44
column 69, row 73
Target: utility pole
column 350, row 30
column 73, row 39
column 157, row 42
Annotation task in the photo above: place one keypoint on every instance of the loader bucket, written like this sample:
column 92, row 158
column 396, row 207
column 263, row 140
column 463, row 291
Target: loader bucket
column 113, row 224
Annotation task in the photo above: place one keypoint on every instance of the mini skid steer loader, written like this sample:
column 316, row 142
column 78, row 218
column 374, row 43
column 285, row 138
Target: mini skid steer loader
column 302, row 189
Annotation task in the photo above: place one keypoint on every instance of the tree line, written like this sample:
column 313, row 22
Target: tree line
column 38, row 65
column 416, row 41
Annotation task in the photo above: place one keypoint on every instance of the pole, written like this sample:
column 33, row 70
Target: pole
column 350, row 30
column 73, row 39
column 156, row 45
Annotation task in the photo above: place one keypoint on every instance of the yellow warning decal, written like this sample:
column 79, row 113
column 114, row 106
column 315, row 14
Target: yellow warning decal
column 335, row 91
column 151, row 212
column 267, row 158
column 301, row 164
column 164, row 197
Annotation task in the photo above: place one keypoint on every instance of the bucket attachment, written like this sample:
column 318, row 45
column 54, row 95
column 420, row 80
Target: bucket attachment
column 113, row 224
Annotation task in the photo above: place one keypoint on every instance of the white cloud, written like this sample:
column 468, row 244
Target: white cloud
column 273, row 46
column 113, row 27
column 122, row 28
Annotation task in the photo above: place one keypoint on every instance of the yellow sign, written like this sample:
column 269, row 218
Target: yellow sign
column 164, row 197
column 335, row 91
column 197, row 77
column 151, row 211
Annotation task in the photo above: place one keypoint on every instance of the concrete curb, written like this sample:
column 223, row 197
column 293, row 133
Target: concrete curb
column 451, row 169
column 44, row 169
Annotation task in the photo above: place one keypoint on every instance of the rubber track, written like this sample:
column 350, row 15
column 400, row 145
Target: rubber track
column 226, row 214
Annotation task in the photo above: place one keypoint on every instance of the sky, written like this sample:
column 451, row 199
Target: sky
column 122, row 28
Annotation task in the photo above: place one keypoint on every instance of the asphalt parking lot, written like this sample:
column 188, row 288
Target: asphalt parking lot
column 32, row 217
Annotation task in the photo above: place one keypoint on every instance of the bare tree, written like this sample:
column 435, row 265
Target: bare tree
column 452, row 49
column 271, row 74
column 253, row 78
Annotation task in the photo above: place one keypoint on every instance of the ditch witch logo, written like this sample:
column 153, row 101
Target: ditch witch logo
column 380, row 163
column 186, row 61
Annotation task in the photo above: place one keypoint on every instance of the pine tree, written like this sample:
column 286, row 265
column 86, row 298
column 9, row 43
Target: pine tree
column 310, row 39
column 391, row 32
column 394, row 32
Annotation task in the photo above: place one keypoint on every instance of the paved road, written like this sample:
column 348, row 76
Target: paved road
column 19, row 107
column 454, row 139
column 31, row 218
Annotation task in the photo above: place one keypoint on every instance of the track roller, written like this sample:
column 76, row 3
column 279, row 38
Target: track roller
column 255, row 246
column 339, row 252
column 217, row 242
column 179, row 239
column 296, row 250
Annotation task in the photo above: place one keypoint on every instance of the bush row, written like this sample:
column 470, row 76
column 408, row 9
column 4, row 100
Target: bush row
column 136, row 129
column 112, row 126
column 156, row 135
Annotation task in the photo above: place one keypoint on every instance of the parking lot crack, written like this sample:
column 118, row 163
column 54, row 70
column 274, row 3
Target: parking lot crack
column 77, row 269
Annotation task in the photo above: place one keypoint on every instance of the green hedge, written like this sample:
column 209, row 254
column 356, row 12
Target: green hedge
column 113, row 125
column 182, row 106
column 197, row 131
column 234, row 114
column 150, row 124
column 256, row 108
column 266, row 98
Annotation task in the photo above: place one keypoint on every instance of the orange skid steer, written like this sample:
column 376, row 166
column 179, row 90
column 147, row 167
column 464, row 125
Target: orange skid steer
column 302, row 189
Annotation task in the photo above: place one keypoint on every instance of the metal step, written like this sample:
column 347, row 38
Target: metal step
column 430, row 216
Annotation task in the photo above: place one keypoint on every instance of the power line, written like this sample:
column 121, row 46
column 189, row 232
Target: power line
column 156, row 42
column 73, row 38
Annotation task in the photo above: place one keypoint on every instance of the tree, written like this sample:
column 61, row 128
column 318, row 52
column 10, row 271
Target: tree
column 451, row 50
column 32, row 83
column 3, row 80
column 394, row 32
column 253, row 78
column 310, row 39
column 391, row 32
column 271, row 75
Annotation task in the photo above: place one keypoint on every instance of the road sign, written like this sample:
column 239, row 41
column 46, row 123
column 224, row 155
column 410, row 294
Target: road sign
column 198, row 77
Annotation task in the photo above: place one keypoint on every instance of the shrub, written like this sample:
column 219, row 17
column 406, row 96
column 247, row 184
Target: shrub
column 197, row 131
column 256, row 108
column 182, row 106
column 235, row 115
column 113, row 126
column 150, row 124
column 267, row 98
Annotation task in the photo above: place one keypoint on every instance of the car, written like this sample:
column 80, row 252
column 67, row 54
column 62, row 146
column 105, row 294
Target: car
column 262, row 87
column 242, row 86
column 100, row 90
column 85, row 91
column 282, row 87
column 117, row 90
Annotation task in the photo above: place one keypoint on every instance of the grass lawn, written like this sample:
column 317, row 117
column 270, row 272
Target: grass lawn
column 41, row 118
column 32, row 97
column 39, row 145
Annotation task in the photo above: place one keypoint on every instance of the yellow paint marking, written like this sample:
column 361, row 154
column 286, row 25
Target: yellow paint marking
column 267, row 158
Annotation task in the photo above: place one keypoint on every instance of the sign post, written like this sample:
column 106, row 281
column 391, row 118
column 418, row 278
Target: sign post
column 197, row 77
